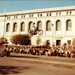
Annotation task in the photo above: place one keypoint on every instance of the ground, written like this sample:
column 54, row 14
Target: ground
column 28, row 66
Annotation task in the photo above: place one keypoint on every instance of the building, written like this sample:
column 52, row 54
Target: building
column 54, row 24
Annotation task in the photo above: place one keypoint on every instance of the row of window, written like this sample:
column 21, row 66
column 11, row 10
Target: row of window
column 15, row 27
column 58, row 42
column 39, row 15
column 39, row 26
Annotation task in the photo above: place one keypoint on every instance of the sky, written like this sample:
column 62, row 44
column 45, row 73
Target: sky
column 17, row 5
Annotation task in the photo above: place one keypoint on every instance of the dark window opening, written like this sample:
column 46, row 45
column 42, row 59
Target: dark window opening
column 69, row 42
column 58, row 42
column 14, row 27
column 22, row 27
column 26, row 42
column 7, row 27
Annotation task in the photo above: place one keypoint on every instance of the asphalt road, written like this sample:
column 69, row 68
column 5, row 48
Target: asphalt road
column 25, row 66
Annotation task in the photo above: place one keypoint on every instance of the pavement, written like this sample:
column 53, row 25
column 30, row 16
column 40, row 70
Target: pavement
column 36, row 65
column 53, row 60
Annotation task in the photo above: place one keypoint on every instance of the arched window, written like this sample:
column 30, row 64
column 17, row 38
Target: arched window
column 7, row 27
column 30, row 26
column 22, row 26
column 39, row 25
column 48, row 25
column 68, row 25
column 14, row 27
column 58, row 25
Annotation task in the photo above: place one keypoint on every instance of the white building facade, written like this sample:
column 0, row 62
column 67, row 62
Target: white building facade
column 53, row 24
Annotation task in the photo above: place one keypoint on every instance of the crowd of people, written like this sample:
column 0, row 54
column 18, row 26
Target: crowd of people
column 48, row 50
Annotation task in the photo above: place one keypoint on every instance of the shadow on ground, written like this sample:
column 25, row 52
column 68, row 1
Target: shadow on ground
column 4, row 70
column 24, row 56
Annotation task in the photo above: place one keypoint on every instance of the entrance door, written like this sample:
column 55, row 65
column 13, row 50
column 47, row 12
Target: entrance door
column 58, row 42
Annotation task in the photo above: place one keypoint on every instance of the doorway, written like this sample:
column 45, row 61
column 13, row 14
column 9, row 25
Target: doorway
column 58, row 42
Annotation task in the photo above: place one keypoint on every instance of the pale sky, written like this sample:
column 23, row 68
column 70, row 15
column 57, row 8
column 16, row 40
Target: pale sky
column 16, row 5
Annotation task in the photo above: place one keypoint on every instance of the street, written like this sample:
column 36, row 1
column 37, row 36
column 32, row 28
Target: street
column 28, row 66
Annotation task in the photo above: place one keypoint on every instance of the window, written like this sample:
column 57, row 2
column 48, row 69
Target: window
column 39, row 25
column 48, row 25
column 68, row 13
column 7, row 27
column 49, row 14
column 58, row 13
column 58, row 42
column 69, row 42
column 22, row 16
column 8, row 17
column 40, row 14
column 30, row 15
column 58, row 25
column 15, row 17
column 22, row 27
column 14, row 27
column 68, row 25
column 30, row 26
